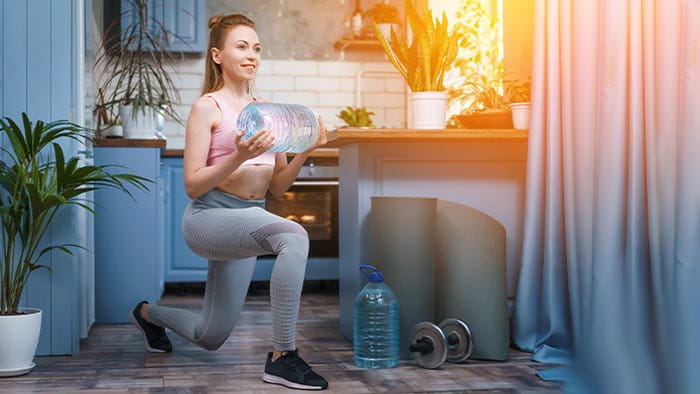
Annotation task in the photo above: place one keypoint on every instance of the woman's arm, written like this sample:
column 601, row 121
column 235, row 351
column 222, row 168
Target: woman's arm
column 200, row 178
column 285, row 174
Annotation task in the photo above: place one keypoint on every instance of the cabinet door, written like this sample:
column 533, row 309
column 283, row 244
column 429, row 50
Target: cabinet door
column 186, row 19
column 181, row 264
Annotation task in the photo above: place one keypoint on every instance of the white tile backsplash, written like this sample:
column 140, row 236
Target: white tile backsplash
column 294, row 67
column 318, row 84
column 271, row 82
column 305, row 98
column 339, row 69
column 326, row 87
column 383, row 100
column 336, row 99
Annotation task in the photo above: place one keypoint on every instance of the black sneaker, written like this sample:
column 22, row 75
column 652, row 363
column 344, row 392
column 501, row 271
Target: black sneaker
column 291, row 371
column 153, row 336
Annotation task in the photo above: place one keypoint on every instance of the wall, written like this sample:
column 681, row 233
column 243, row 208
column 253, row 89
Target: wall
column 39, row 75
column 301, row 29
column 301, row 66
column 518, row 31
column 324, row 86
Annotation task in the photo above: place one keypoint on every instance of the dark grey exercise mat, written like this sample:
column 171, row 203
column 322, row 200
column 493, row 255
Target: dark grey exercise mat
column 402, row 236
column 471, row 276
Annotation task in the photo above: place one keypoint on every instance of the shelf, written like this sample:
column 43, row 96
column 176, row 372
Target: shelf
column 344, row 43
column 357, row 44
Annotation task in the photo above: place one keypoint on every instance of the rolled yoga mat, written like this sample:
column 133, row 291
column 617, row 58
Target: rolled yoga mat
column 402, row 233
column 471, row 276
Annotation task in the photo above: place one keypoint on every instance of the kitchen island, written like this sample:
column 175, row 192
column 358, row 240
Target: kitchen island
column 482, row 169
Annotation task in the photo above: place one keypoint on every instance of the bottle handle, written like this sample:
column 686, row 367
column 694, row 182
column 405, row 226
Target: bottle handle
column 369, row 268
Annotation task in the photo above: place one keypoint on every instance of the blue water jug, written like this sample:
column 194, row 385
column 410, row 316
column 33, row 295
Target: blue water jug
column 376, row 328
column 294, row 126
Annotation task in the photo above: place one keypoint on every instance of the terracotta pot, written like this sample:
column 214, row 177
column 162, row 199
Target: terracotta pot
column 486, row 120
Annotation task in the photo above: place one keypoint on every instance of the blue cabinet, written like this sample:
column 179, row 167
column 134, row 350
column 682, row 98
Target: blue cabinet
column 182, row 265
column 128, row 244
column 185, row 18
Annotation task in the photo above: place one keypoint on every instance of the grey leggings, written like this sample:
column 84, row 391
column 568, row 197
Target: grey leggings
column 230, row 232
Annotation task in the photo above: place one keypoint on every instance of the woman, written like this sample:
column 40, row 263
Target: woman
column 226, row 222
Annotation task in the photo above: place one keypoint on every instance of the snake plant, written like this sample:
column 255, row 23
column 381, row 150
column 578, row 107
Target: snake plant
column 424, row 62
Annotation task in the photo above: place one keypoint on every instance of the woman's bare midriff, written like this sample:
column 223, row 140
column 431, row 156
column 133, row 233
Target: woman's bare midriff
column 249, row 182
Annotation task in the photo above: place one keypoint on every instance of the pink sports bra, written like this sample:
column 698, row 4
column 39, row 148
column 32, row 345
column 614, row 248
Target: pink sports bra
column 223, row 138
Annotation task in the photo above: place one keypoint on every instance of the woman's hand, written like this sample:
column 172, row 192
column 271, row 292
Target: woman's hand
column 321, row 138
column 254, row 146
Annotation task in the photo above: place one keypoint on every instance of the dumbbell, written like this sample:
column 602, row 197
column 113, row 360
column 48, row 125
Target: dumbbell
column 432, row 345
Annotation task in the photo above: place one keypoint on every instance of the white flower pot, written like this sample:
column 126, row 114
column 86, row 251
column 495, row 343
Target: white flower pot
column 385, row 29
column 113, row 131
column 521, row 115
column 428, row 110
column 19, row 337
column 142, row 125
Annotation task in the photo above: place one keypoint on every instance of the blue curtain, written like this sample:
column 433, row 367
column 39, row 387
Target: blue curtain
column 610, row 273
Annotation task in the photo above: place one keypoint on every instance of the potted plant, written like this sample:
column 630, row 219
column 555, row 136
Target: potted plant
column 477, row 95
column 134, row 71
column 518, row 94
column 423, row 64
column 107, row 127
column 384, row 15
column 357, row 117
column 488, row 108
column 35, row 183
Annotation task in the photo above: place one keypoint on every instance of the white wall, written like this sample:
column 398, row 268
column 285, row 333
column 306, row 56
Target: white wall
column 324, row 86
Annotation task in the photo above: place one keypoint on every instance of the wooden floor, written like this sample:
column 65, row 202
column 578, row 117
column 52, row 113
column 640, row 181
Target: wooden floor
column 113, row 360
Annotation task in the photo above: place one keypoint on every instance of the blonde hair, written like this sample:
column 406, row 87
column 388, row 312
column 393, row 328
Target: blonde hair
column 220, row 26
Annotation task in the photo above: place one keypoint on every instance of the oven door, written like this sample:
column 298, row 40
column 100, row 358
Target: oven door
column 314, row 205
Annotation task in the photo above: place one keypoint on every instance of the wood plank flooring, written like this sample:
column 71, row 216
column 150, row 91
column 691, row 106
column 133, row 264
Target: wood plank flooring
column 113, row 360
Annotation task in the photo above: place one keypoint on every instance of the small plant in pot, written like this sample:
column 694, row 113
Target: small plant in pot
column 107, row 127
column 133, row 70
column 518, row 96
column 423, row 64
column 37, row 181
column 385, row 16
column 488, row 107
column 357, row 117
column 477, row 92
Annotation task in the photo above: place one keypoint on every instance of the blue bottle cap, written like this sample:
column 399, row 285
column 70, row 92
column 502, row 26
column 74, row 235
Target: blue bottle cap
column 374, row 276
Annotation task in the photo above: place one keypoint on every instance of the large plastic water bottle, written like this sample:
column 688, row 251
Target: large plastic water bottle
column 294, row 126
column 376, row 329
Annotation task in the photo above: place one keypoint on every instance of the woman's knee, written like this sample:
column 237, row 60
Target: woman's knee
column 216, row 333
column 281, row 235
column 211, row 343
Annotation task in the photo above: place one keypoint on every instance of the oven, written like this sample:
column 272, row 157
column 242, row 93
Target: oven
column 312, row 201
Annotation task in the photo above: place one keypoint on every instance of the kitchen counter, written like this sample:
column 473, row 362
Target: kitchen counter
column 482, row 169
column 318, row 153
column 128, row 143
column 341, row 137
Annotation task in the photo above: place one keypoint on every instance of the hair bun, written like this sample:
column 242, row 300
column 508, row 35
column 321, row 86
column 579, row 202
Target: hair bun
column 215, row 19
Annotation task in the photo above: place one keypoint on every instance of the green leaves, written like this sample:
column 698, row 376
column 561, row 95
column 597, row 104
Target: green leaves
column 134, row 65
column 432, row 52
column 34, row 184
column 357, row 117
column 480, row 68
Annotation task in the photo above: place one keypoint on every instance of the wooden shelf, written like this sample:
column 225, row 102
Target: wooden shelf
column 360, row 44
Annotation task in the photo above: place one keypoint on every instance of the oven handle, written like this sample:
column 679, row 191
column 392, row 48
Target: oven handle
column 315, row 183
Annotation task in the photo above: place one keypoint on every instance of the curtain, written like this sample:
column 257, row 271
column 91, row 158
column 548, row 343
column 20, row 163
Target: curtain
column 610, row 270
